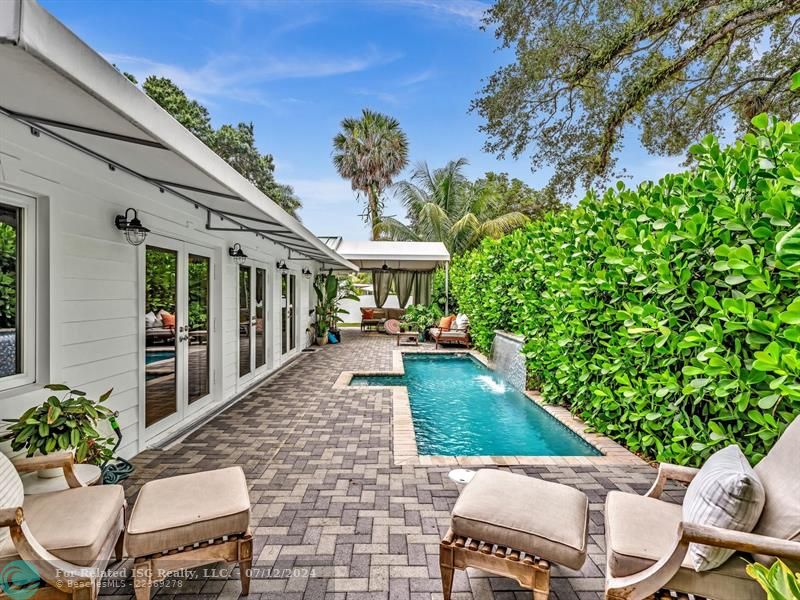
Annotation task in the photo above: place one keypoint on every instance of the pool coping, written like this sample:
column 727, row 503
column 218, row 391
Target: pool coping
column 404, row 441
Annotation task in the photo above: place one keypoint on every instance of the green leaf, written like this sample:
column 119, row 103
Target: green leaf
column 760, row 121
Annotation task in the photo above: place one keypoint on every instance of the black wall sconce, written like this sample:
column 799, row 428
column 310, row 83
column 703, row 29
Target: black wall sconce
column 237, row 254
column 281, row 265
column 306, row 273
column 134, row 231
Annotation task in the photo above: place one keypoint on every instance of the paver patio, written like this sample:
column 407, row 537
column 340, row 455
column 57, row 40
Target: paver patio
column 333, row 517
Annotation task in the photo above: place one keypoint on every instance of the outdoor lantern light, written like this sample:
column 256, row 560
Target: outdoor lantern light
column 385, row 267
column 238, row 254
column 282, row 265
column 306, row 273
column 135, row 232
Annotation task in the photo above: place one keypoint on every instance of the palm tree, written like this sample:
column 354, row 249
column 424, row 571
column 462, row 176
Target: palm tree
column 370, row 152
column 443, row 206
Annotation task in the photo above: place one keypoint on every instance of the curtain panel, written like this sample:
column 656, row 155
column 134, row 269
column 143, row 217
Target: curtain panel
column 404, row 283
column 381, row 284
column 422, row 288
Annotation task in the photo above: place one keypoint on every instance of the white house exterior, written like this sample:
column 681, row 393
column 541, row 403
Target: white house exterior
column 79, row 145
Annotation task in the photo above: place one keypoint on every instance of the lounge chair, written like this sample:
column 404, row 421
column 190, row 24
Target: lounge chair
column 372, row 318
column 451, row 330
column 647, row 540
column 66, row 538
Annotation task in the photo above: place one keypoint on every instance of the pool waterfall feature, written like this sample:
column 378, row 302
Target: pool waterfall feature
column 509, row 361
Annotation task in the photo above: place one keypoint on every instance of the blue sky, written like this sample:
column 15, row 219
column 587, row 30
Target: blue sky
column 295, row 69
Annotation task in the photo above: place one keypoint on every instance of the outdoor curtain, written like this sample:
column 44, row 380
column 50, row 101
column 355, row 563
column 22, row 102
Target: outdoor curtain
column 422, row 288
column 404, row 284
column 381, row 282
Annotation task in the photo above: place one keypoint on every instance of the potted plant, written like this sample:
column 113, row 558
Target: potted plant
column 66, row 423
column 330, row 292
column 420, row 317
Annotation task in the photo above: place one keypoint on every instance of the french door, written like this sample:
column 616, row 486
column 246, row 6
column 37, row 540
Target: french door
column 178, row 331
column 288, row 312
column 253, row 320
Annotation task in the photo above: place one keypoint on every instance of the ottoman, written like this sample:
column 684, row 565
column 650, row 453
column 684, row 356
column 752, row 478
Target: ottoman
column 515, row 526
column 188, row 521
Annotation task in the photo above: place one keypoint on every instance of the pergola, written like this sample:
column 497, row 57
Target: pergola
column 409, row 265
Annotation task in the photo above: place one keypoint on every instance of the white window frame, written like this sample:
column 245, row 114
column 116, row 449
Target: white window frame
column 26, row 293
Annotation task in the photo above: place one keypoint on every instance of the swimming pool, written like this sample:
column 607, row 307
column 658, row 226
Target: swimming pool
column 462, row 408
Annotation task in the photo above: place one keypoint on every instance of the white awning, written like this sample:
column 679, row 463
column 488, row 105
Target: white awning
column 60, row 87
column 410, row 256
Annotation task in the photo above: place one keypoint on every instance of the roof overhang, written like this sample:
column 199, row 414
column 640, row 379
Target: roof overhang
column 62, row 88
column 374, row 255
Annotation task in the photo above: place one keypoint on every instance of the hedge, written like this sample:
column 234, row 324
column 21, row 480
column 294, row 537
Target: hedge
column 660, row 315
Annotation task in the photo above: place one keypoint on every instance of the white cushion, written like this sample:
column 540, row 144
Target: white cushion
column 150, row 320
column 462, row 321
column 725, row 493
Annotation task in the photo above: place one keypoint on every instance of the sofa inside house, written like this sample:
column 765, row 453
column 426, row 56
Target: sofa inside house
column 374, row 318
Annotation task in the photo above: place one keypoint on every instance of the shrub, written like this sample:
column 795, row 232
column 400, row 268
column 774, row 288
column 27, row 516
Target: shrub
column 661, row 315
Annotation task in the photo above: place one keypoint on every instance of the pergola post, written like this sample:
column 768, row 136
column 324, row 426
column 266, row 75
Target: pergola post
column 447, row 288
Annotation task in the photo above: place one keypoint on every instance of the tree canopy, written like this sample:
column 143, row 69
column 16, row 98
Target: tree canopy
column 236, row 144
column 444, row 206
column 588, row 71
column 370, row 151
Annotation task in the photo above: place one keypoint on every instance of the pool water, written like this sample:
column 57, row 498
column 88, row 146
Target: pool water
column 158, row 355
column 462, row 408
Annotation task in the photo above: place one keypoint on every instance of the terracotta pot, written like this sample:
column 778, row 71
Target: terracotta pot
column 321, row 341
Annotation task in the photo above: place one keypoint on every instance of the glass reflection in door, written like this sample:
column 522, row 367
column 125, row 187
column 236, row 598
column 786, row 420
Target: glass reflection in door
column 199, row 316
column 161, row 292
column 284, row 311
column 245, row 330
column 292, row 311
column 261, row 289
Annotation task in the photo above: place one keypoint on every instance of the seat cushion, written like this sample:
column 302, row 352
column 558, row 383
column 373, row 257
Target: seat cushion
column 779, row 472
column 725, row 493
column 641, row 530
column 539, row 517
column 184, row 510
column 74, row 524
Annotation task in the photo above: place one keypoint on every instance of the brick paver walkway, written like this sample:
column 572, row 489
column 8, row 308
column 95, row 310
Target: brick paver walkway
column 333, row 518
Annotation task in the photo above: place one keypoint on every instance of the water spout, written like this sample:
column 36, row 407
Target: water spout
column 491, row 384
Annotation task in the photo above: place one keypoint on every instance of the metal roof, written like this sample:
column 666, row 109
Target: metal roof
column 411, row 256
column 62, row 88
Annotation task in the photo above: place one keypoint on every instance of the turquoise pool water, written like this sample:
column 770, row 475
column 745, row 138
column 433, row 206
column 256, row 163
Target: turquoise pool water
column 462, row 408
column 157, row 355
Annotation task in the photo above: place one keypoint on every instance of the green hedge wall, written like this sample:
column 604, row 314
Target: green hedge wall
column 660, row 315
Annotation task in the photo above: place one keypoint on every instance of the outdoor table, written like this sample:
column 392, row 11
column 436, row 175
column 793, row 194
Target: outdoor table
column 407, row 338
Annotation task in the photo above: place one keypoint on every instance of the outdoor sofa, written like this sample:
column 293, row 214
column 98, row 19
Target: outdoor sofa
column 374, row 318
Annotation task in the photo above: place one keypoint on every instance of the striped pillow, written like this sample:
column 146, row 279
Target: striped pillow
column 11, row 492
column 725, row 493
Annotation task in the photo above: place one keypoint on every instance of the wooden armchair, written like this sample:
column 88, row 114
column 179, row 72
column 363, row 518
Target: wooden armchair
column 647, row 540
column 67, row 537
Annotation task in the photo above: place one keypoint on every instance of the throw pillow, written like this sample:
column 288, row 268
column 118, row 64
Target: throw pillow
column 446, row 322
column 150, row 319
column 367, row 313
column 332, row 338
column 462, row 321
column 725, row 493
column 168, row 319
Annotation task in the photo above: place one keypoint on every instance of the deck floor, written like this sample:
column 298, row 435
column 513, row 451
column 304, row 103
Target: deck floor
column 333, row 517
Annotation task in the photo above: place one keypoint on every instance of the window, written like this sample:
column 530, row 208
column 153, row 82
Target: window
column 17, row 286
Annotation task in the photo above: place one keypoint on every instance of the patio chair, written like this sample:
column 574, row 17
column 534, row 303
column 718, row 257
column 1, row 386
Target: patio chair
column 372, row 318
column 647, row 540
column 65, row 538
column 451, row 331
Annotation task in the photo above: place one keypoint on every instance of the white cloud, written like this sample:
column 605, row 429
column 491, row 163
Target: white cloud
column 471, row 11
column 236, row 77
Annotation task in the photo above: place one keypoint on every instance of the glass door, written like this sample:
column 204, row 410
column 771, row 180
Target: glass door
column 260, row 339
column 253, row 322
column 246, row 321
column 177, row 331
column 161, row 335
column 288, row 312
